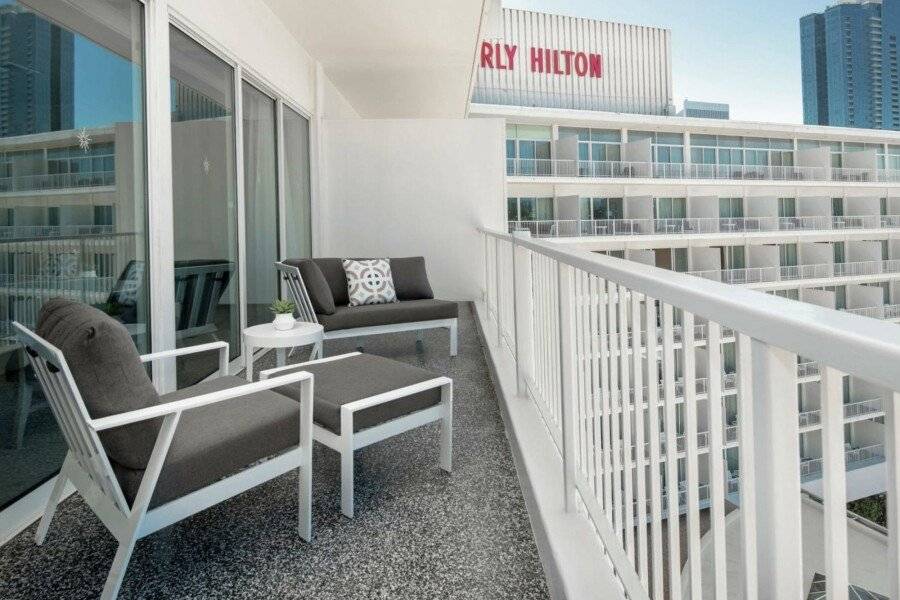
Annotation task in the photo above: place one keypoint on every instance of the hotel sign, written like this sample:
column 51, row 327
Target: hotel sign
column 542, row 60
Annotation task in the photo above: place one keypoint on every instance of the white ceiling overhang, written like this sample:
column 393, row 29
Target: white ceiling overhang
column 393, row 58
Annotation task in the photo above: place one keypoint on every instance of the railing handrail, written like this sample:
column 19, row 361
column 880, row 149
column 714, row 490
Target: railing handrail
column 850, row 343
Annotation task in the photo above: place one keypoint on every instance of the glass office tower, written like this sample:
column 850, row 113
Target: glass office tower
column 850, row 66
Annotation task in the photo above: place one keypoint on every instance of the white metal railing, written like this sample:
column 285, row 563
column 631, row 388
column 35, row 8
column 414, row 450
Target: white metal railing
column 885, row 311
column 699, row 225
column 57, row 181
column 872, row 407
column 572, row 315
column 753, row 275
column 15, row 232
column 571, row 167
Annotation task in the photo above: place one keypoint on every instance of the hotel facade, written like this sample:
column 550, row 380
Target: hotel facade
column 808, row 213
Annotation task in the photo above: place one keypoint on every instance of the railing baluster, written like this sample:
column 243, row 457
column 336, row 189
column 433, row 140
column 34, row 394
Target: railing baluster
column 716, row 468
column 568, row 378
column 614, row 299
column 691, row 456
column 747, row 464
column 672, row 489
column 834, row 493
column 639, row 445
column 625, row 387
column 892, row 455
column 605, row 351
column 653, row 437
column 596, row 390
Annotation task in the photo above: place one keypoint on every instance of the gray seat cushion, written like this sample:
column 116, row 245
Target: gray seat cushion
column 218, row 440
column 107, row 371
column 408, row 311
column 339, row 382
column 317, row 287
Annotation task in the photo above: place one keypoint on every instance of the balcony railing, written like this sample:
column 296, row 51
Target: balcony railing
column 793, row 273
column 561, row 167
column 547, row 307
column 58, row 181
column 17, row 232
column 859, row 408
column 700, row 225
column 885, row 311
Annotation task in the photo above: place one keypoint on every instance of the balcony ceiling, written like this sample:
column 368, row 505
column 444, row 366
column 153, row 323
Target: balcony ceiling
column 394, row 58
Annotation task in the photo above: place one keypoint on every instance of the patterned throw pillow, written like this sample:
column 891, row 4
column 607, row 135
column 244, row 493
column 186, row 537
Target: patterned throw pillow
column 369, row 281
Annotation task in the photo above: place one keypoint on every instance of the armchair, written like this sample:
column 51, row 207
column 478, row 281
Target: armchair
column 142, row 461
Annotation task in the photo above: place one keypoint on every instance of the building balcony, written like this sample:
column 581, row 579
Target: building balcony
column 701, row 226
column 764, row 275
column 56, row 182
column 570, row 168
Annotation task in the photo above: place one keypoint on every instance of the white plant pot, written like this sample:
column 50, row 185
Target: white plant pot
column 283, row 322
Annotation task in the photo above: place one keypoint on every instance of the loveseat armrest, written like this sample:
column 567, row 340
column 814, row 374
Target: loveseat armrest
column 222, row 347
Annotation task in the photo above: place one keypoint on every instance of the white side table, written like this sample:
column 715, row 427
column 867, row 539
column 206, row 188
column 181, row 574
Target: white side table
column 266, row 336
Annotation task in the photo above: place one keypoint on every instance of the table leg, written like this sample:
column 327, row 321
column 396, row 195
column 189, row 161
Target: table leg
column 248, row 361
column 280, row 357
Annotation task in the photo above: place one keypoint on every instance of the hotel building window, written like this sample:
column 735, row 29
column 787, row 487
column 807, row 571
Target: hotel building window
column 528, row 149
column 601, row 209
column 787, row 207
column 595, row 144
column 530, row 209
column 734, row 150
column 840, row 255
column 666, row 147
column 52, row 138
column 731, row 208
column 670, row 208
column 840, row 295
column 787, row 255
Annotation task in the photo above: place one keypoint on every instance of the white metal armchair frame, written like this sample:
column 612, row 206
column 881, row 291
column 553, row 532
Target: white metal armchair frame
column 88, row 468
column 296, row 287
column 349, row 441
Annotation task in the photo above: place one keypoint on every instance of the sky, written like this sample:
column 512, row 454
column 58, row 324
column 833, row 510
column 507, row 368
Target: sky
column 743, row 52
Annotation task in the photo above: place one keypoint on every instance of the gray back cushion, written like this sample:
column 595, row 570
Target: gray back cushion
column 333, row 271
column 411, row 279
column 316, row 285
column 108, row 372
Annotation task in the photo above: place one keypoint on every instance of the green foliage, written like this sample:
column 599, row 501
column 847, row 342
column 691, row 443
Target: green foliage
column 282, row 307
column 873, row 508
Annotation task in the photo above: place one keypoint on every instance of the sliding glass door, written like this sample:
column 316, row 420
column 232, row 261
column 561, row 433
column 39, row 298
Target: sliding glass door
column 260, row 201
column 204, row 203
column 73, row 200
column 297, row 213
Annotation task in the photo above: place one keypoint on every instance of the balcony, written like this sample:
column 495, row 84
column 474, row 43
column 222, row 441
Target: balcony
column 464, row 536
column 762, row 275
column 701, row 226
column 547, row 167
column 56, row 182
column 559, row 327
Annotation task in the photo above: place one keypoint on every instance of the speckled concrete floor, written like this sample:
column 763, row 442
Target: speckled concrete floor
column 419, row 533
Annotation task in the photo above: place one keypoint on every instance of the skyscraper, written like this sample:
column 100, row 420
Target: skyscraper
column 850, row 65
column 37, row 83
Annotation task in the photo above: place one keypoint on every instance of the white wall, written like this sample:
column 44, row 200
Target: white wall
column 255, row 36
column 414, row 187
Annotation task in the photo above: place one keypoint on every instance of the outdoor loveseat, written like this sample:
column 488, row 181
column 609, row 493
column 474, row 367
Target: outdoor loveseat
column 318, row 287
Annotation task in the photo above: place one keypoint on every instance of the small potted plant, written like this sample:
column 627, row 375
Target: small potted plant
column 284, row 314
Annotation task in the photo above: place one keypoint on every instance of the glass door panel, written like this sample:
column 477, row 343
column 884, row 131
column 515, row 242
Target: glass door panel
column 74, row 200
column 298, row 216
column 204, row 204
column 260, row 202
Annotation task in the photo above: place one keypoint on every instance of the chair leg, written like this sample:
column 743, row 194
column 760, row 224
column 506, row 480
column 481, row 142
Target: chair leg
column 305, row 497
column 117, row 571
column 347, row 482
column 453, row 338
column 318, row 351
column 55, row 496
column 447, row 428
column 23, row 410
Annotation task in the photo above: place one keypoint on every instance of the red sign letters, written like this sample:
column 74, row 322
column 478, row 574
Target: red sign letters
column 542, row 60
